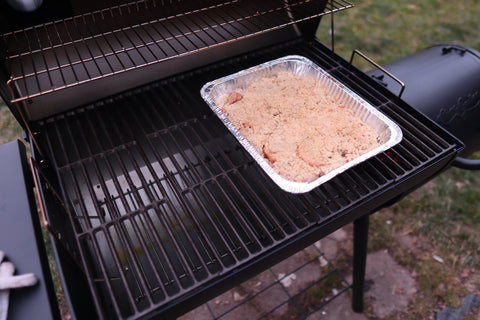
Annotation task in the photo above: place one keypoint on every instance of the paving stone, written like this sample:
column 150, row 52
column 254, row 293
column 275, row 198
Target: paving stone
column 338, row 309
column 338, row 235
column 329, row 247
column 200, row 313
column 389, row 285
column 298, row 272
column 469, row 302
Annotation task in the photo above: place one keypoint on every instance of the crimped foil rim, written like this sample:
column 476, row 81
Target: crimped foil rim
column 299, row 65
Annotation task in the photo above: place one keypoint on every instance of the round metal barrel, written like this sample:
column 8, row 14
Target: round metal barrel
column 443, row 82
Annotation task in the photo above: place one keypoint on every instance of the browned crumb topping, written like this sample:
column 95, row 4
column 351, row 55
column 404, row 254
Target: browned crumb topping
column 301, row 129
column 233, row 97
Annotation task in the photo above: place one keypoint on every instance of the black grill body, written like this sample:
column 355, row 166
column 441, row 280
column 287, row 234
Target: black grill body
column 180, row 212
column 153, row 206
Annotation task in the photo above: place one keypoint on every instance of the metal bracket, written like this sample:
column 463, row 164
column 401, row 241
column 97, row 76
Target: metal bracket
column 34, row 167
column 332, row 28
column 379, row 67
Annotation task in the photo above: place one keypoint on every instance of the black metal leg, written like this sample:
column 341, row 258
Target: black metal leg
column 360, row 240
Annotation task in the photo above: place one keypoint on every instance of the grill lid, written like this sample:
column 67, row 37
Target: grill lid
column 49, row 68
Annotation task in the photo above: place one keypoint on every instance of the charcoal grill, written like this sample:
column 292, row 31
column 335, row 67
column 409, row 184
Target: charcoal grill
column 151, row 204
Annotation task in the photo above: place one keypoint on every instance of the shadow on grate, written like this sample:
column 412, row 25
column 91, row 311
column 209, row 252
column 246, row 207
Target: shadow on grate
column 295, row 288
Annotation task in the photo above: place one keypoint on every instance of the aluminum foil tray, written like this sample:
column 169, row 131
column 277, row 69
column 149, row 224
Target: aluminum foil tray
column 389, row 133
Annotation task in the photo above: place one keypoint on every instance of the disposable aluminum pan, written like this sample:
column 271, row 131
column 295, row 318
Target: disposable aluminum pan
column 389, row 132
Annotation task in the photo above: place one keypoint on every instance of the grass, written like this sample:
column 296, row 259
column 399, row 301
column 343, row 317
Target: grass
column 445, row 211
column 448, row 214
column 9, row 127
column 388, row 30
column 443, row 216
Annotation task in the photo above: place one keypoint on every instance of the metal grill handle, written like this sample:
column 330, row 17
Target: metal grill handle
column 379, row 67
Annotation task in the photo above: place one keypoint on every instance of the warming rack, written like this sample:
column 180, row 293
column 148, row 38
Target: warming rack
column 77, row 50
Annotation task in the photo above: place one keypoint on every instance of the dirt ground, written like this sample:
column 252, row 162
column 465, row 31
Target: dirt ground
column 292, row 289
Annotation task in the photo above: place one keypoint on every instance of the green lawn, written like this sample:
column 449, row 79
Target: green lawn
column 9, row 127
column 388, row 30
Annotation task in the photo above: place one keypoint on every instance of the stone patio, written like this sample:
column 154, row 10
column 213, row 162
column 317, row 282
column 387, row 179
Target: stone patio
column 288, row 290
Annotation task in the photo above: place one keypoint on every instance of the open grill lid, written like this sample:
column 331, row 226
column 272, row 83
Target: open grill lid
column 55, row 66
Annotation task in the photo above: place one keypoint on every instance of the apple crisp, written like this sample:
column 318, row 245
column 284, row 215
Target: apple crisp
column 298, row 127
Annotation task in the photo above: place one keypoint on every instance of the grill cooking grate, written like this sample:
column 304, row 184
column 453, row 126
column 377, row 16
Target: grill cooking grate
column 164, row 201
column 77, row 50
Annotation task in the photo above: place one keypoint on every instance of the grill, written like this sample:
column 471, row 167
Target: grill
column 83, row 52
column 154, row 206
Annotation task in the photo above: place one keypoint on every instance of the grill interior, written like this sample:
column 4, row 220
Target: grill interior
column 164, row 203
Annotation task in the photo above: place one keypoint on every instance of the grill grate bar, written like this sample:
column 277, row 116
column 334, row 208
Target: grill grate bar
column 138, row 200
column 81, row 177
column 431, row 146
column 122, row 234
column 408, row 156
column 95, row 251
column 178, row 199
column 167, row 96
column 188, row 193
column 130, row 268
column 154, row 138
column 150, row 196
column 190, row 99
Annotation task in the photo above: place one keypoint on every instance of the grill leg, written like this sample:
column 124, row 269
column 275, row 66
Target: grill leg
column 360, row 240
